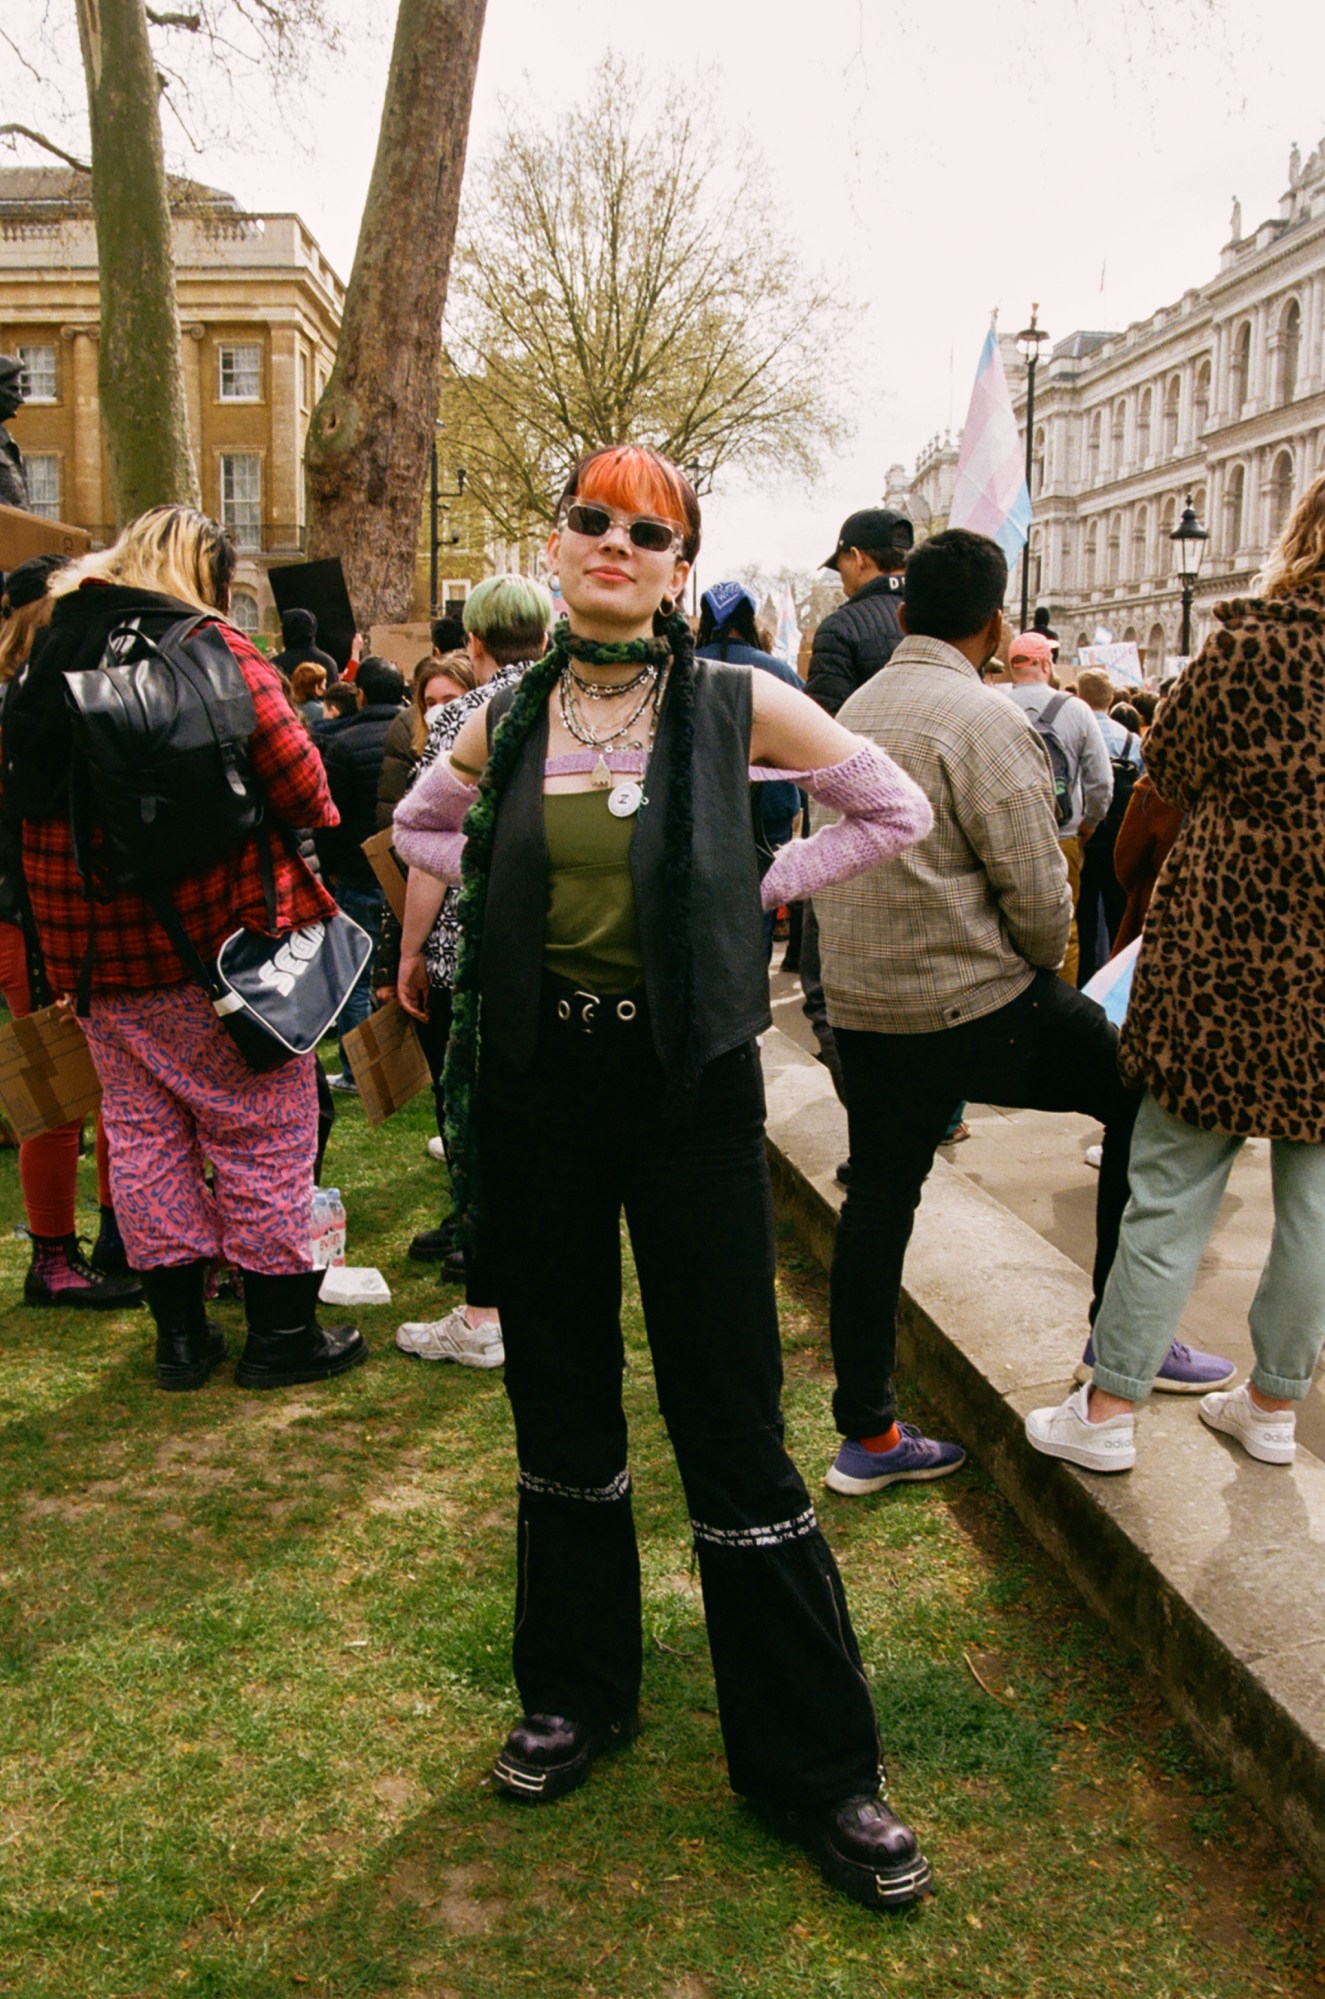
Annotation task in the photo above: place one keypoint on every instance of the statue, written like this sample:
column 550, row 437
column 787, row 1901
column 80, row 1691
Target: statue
column 13, row 485
column 1294, row 165
column 1235, row 225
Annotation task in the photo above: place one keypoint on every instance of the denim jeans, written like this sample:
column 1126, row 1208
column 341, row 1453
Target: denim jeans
column 590, row 1131
column 363, row 906
column 1050, row 1049
column 1178, row 1176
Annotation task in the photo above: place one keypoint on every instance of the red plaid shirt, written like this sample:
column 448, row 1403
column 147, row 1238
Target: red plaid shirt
column 133, row 952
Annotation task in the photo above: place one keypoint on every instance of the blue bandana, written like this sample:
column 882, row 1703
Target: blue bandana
column 723, row 600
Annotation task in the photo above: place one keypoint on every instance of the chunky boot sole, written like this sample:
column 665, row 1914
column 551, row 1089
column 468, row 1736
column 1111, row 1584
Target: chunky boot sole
column 872, row 1887
column 91, row 1298
column 541, row 1783
column 176, row 1379
column 248, row 1374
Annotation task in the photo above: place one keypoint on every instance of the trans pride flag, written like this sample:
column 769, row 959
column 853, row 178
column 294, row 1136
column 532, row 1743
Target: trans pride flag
column 990, row 494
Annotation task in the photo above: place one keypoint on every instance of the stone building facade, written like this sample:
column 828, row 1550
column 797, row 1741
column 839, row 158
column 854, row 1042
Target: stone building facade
column 1221, row 394
column 259, row 310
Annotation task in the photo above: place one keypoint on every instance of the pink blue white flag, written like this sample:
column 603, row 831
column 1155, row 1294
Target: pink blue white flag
column 787, row 643
column 990, row 495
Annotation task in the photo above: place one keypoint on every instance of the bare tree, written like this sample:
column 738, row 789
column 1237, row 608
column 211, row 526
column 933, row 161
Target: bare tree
column 368, row 445
column 619, row 277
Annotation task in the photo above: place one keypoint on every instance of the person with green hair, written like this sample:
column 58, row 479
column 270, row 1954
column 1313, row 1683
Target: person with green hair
column 612, row 955
column 506, row 625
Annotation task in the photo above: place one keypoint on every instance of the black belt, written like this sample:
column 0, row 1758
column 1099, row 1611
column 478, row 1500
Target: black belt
column 571, row 1007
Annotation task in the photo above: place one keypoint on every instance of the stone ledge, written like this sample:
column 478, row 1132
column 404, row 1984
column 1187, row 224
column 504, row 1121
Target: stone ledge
column 993, row 1320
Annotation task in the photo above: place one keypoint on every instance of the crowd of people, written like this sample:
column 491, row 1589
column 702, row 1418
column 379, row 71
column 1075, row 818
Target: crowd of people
column 600, row 814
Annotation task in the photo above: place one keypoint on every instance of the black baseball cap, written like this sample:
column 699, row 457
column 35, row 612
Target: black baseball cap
column 875, row 531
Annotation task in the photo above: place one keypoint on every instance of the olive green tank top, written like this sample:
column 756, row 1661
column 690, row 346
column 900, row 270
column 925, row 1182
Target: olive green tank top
column 592, row 937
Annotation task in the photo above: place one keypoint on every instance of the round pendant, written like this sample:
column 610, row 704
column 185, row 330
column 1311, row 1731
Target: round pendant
column 625, row 800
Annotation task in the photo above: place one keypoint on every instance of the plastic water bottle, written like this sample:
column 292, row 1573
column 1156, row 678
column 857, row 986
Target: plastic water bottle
column 321, row 1240
column 338, row 1224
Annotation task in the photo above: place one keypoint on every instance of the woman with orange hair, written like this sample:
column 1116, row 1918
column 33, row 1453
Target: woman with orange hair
column 613, row 940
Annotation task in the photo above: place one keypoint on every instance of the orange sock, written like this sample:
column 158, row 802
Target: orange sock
column 887, row 1440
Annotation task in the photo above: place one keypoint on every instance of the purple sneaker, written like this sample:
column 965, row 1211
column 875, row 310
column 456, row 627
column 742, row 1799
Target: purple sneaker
column 1184, row 1370
column 915, row 1458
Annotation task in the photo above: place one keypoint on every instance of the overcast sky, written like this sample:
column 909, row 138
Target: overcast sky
column 943, row 160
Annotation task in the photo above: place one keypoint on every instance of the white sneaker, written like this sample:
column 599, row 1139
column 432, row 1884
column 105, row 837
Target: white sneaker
column 1095, row 1156
column 436, row 1150
column 453, row 1338
column 1067, row 1432
column 1267, row 1434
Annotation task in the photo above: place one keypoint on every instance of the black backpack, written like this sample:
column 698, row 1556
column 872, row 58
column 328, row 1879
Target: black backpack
column 1059, row 767
column 160, row 763
column 1125, row 774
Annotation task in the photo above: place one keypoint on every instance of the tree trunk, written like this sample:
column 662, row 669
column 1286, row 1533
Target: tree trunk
column 372, row 432
column 143, row 409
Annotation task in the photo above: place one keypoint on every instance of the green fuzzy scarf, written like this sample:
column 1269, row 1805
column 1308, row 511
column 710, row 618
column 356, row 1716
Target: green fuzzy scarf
column 672, row 644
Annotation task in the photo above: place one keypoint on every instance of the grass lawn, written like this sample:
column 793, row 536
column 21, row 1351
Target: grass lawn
column 253, row 1670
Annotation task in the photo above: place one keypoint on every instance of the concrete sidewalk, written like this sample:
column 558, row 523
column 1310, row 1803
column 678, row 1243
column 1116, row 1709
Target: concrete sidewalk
column 1205, row 1562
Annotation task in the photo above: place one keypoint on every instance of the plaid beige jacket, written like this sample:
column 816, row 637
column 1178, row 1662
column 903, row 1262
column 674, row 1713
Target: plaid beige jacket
column 958, row 924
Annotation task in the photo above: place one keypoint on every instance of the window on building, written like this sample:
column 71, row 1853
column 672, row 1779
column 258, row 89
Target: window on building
column 244, row 610
column 1092, row 559
column 1281, row 493
column 241, row 496
column 1172, row 411
column 43, row 475
column 240, row 372
column 39, row 364
column 1155, row 648
column 1241, row 367
column 1235, row 501
column 1201, row 397
column 1168, row 520
column 1093, row 445
column 1115, row 568
column 1143, row 415
column 1140, row 542
column 1290, row 348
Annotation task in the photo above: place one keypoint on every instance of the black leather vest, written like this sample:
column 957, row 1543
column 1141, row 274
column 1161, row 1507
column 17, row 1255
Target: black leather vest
column 729, row 965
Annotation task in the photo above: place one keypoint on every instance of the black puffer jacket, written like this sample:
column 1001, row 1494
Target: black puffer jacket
column 353, row 757
column 854, row 641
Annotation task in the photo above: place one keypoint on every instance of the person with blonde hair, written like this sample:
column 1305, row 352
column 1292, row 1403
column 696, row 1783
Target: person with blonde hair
column 177, row 1097
column 1226, row 1029
column 59, row 1274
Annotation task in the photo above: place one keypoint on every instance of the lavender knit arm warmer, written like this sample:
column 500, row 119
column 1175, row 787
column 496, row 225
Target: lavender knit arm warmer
column 426, row 823
column 883, row 810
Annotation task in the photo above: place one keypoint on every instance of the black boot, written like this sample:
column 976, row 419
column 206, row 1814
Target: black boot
column 61, row 1275
column 188, row 1345
column 285, row 1343
column 109, row 1258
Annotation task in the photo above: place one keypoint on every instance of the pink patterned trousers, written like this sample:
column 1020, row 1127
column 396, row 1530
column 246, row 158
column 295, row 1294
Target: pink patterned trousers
column 178, row 1098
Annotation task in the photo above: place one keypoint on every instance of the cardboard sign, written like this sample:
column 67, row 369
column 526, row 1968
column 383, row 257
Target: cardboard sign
column 403, row 645
column 318, row 587
column 46, row 1073
column 390, row 870
column 387, row 1062
column 23, row 535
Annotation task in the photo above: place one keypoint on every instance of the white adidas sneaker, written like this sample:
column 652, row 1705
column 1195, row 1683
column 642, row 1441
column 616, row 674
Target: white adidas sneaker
column 453, row 1338
column 1067, row 1432
column 1267, row 1434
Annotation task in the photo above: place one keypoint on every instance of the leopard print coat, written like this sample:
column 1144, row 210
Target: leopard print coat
column 1226, row 1024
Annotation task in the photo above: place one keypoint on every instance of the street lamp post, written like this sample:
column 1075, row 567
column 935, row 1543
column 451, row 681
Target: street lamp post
column 446, row 537
column 1029, row 341
column 1191, row 539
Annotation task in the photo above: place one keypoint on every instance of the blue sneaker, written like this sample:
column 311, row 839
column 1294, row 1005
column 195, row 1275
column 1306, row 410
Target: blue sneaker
column 1184, row 1370
column 915, row 1458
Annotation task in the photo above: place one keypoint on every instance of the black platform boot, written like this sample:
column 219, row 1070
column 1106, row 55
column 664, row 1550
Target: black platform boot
column 188, row 1344
column 285, row 1344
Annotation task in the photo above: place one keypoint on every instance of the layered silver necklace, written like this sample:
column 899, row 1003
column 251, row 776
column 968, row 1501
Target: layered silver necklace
column 572, row 688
